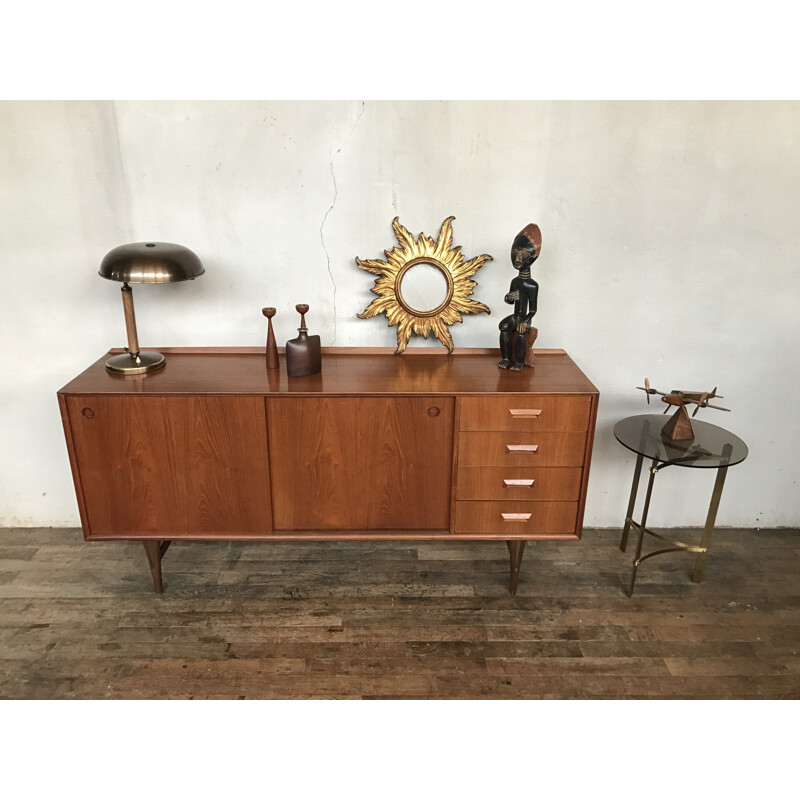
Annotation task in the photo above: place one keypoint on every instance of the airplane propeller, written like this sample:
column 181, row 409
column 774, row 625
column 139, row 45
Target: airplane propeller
column 703, row 400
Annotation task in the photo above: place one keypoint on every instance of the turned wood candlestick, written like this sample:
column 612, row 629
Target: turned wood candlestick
column 302, row 308
column 272, row 347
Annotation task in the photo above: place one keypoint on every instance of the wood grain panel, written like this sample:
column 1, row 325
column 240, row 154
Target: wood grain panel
column 493, row 413
column 487, row 483
column 490, row 449
column 73, row 463
column 361, row 463
column 486, row 517
column 360, row 373
column 587, row 464
column 175, row 467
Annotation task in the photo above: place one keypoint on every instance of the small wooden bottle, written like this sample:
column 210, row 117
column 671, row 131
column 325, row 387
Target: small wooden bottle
column 272, row 348
column 303, row 354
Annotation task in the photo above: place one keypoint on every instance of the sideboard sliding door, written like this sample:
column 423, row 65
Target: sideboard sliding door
column 172, row 466
column 361, row 463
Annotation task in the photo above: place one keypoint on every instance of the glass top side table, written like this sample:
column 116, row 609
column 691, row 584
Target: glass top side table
column 712, row 448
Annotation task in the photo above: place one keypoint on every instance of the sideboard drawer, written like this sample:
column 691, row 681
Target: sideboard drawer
column 515, row 516
column 505, row 449
column 518, row 483
column 525, row 413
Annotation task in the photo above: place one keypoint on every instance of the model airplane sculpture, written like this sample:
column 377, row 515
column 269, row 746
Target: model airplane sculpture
column 679, row 426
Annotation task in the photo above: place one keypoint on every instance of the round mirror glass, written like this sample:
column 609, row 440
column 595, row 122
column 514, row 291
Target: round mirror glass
column 423, row 287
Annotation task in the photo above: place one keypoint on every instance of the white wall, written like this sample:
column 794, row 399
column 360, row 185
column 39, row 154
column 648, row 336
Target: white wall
column 670, row 250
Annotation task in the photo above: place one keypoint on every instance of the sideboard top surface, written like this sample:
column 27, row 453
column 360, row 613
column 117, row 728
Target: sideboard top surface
column 346, row 371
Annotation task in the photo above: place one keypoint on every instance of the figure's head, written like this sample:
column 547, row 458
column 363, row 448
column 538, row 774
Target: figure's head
column 526, row 247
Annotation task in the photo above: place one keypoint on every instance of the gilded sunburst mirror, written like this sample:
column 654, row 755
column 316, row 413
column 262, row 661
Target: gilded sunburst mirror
column 424, row 285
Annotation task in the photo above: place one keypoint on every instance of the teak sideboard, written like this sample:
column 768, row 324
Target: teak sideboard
column 420, row 446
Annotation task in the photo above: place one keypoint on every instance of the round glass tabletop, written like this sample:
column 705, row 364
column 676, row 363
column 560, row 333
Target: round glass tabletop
column 712, row 446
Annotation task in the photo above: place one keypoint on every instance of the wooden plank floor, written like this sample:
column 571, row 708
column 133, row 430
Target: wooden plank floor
column 397, row 620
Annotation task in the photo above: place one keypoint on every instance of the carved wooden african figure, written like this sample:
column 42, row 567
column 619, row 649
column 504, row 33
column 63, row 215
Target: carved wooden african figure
column 523, row 293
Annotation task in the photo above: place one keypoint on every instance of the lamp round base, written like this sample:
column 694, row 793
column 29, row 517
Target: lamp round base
column 126, row 364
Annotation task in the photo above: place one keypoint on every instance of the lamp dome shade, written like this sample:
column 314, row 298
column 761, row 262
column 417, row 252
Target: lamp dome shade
column 150, row 262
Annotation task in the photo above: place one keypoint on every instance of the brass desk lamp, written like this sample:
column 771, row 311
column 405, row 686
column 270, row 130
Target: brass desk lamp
column 144, row 262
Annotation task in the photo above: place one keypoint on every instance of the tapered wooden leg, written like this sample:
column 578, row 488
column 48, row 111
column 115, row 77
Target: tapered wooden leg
column 155, row 550
column 515, row 548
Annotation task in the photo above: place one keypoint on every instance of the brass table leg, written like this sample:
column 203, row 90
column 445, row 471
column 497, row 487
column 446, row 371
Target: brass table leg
column 641, row 525
column 515, row 548
column 155, row 551
column 637, row 474
column 705, row 542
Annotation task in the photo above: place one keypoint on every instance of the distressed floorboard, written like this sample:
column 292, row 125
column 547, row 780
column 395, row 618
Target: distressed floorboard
column 397, row 620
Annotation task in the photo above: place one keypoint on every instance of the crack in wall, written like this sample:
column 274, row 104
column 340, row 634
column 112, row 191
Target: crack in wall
column 332, row 157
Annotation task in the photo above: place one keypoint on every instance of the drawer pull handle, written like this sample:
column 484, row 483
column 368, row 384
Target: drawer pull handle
column 515, row 517
column 525, row 413
column 518, row 482
column 522, row 448
column 88, row 413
